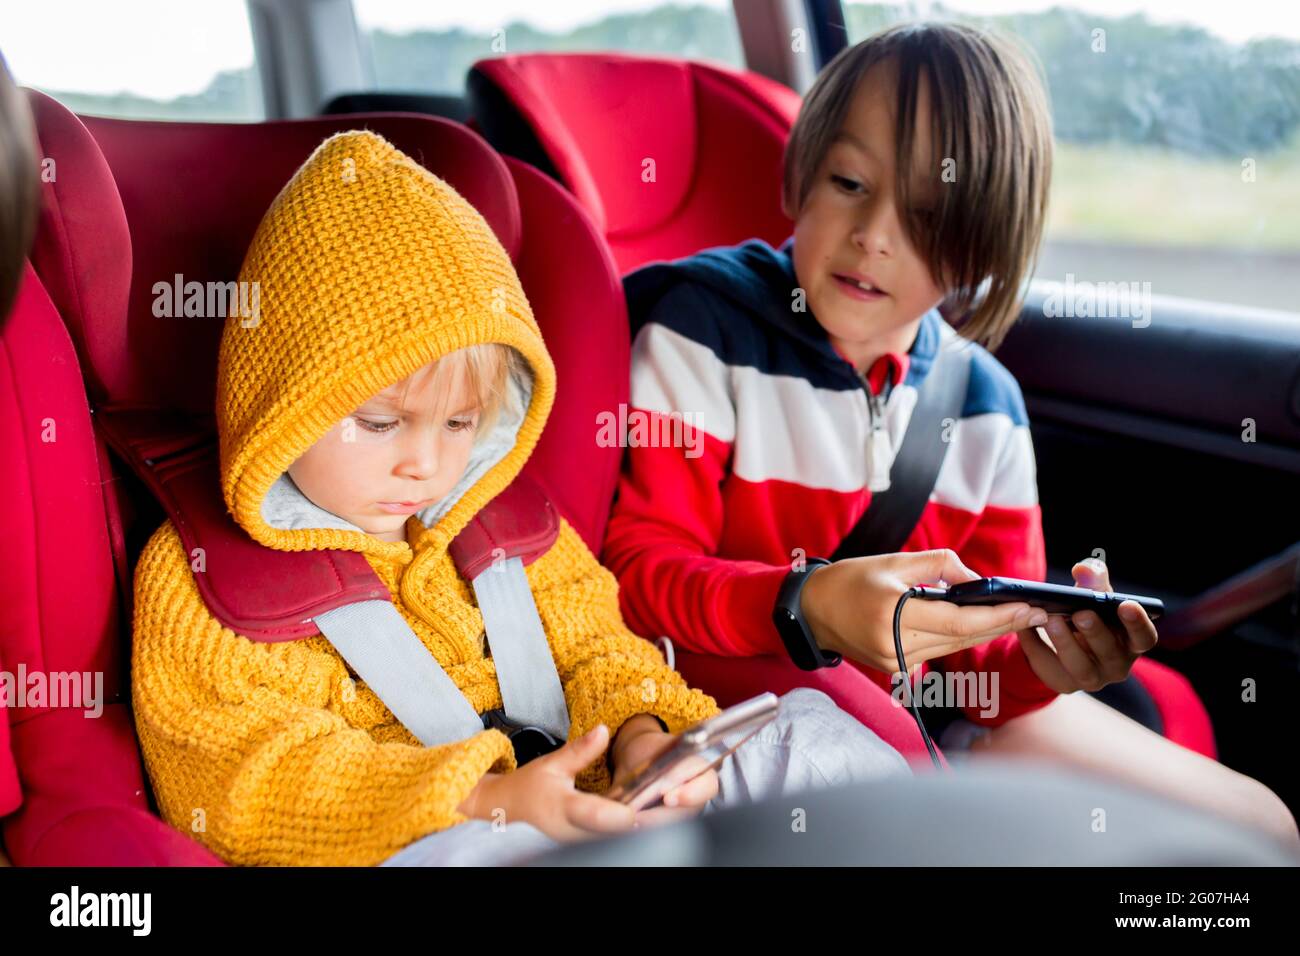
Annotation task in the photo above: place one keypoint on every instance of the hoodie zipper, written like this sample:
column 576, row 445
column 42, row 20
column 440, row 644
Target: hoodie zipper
column 879, row 446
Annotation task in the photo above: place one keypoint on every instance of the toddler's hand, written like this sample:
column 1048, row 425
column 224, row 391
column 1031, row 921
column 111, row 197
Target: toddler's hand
column 542, row 793
column 682, row 801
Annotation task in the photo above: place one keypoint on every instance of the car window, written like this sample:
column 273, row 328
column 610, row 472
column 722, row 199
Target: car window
column 430, row 47
column 148, row 59
column 1178, row 139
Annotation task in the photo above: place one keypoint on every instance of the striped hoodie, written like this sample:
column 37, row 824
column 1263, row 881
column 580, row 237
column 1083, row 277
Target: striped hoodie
column 781, row 444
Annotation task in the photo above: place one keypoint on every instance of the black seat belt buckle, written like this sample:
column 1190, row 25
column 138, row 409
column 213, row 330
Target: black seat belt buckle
column 530, row 742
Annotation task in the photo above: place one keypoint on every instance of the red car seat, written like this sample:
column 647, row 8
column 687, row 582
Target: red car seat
column 80, row 795
column 81, row 790
column 191, row 197
column 695, row 162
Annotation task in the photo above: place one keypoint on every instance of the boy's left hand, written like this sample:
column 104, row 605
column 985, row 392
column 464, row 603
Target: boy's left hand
column 679, row 803
column 1089, row 652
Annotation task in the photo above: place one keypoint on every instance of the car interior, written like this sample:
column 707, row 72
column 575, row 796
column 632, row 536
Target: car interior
column 1196, row 411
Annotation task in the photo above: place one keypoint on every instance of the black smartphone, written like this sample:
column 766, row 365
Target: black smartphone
column 1052, row 598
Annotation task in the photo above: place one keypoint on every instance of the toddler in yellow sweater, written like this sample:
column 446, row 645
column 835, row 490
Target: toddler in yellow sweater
column 394, row 383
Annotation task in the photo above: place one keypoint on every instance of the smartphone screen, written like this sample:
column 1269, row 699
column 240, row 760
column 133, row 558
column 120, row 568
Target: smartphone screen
column 701, row 748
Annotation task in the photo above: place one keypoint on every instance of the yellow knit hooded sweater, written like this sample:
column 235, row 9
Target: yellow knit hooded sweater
column 369, row 267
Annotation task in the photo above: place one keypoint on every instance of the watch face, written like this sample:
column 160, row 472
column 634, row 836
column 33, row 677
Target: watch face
column 798, row 641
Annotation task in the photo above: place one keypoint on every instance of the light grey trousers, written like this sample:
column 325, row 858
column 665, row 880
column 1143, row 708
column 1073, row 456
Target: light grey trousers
column 810, row 744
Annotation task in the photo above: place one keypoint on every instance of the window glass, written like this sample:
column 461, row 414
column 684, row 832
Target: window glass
column 431, row 46
column 1177, row 138
column 154, row 59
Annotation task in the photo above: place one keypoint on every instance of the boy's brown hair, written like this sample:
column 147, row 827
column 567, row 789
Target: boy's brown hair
column 19, row 187
column 989, row 113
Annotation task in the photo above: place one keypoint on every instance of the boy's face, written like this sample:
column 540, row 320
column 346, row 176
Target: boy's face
column 383, row 463
column 850, row 231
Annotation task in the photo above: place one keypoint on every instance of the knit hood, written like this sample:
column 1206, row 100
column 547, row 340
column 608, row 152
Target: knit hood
column 367, row 267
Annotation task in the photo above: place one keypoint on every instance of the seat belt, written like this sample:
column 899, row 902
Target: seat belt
column 530, row 685
column 892, row 515
column 378, row 643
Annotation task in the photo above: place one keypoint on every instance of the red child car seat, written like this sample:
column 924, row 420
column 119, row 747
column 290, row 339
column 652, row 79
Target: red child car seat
column 695, row 162
column 81, row 788
column 192, row 197
column 75, row 791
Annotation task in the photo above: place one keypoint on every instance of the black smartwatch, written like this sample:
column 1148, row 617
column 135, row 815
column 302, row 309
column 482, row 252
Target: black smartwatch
column 787, row 615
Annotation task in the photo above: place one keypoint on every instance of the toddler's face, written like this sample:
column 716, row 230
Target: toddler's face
column 850, row 230
column 383, row 463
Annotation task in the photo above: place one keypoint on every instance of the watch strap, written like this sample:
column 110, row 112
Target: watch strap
column 787, row 615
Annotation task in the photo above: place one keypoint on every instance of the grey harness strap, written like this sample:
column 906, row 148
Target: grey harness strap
column 378, row 643
column 380, row 646
column 530, row 685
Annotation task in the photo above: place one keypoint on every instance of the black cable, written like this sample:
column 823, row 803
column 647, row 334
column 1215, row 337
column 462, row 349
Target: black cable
column 902, row 669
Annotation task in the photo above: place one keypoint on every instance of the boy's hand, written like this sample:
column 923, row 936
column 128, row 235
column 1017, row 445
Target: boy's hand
column 542, row 793
column 1089, row 652
column 850, row 607
column 681, row 802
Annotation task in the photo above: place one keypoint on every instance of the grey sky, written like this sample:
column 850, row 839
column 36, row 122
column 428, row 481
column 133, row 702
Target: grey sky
column 162, row 48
